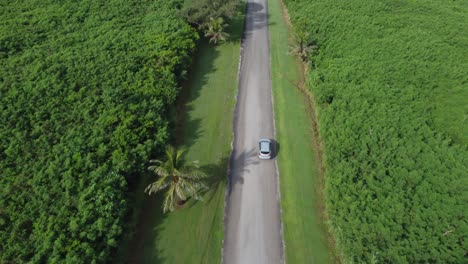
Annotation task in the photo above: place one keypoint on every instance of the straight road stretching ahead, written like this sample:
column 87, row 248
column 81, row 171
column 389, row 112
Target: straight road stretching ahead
column 252, row 220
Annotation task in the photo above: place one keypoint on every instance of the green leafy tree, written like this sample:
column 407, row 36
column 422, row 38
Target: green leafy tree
column 87, row 89
column 215, row 31
column 304, row 45
column 181, row 180
column 199, row 12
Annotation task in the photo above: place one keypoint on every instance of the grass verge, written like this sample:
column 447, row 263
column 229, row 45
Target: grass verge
column 194, row 234
column 303, row 228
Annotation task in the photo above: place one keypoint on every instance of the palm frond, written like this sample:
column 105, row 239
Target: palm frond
column 180, row 191
column 198, row 185
column 181, row 181
column 159, row 170
column 171, row 157
column 168, row 204
column 177, row 173
column 215, row 31
column 156, row 162
column 195, row 164
column 158, row 185
column 191, row 173
column 193, row 191
column 178, row 157
column 186, row 188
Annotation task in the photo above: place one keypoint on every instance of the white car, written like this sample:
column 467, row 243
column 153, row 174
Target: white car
column 264, row 146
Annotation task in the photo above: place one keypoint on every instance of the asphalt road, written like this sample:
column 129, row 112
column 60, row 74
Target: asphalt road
column 252, row 213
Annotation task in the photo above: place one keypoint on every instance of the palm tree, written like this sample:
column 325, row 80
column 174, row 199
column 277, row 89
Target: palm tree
column 182, row 181
column 215, row 30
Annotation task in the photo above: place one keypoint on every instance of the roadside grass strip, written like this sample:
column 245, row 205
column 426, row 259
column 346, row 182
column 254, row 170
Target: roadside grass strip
column 303, row 230
column 194, row 234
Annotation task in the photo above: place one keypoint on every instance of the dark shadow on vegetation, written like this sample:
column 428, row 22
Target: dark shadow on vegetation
column 235, row 29
column 143, row 239
column 188, row 130
column 236, row 25
column 216, row 178
column 156, row 218
column 144, row 234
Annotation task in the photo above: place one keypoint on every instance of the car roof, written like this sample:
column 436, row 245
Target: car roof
column 265, row 145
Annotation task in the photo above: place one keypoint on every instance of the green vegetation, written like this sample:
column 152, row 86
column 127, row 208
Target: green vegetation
column 303, row 230
column 181, row 179
column 390, row 83
column 209, row 16
column 199, row 13
column 86, row 87
column 215, row 30
column 194, row 233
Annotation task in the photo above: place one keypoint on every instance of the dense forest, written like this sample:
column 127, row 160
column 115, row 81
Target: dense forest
column 390, row 83
column 86, row 89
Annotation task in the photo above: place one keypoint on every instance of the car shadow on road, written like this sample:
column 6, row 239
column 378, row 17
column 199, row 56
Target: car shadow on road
column 275, row 148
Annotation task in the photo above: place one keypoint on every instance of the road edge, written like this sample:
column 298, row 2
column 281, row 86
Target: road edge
column 235, row 116
column 278, row 181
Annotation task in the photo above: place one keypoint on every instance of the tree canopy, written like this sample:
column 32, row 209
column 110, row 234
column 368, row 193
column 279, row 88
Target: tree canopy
column 384, row 75
column 86, row 88
column 199, row 13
